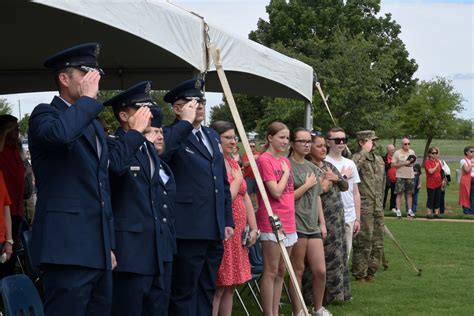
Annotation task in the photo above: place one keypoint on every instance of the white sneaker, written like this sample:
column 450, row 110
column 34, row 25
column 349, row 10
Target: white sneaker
column 398, row 213
column 410, row 214
column 322, row 312
column 394, row 210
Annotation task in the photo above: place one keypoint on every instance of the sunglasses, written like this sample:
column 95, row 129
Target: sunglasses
column 434, row 152
column 303, row 141
column 338, row 141
column 316, row 133
column 252, row 146
column 406, row 144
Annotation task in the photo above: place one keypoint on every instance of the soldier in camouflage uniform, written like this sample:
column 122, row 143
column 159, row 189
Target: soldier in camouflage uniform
column 335, row 251
column 368, row 245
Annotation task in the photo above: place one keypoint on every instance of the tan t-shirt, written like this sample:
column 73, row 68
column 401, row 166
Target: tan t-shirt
column 405, row 172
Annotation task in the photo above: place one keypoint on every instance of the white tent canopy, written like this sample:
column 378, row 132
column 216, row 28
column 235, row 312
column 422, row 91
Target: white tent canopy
column 141, row 39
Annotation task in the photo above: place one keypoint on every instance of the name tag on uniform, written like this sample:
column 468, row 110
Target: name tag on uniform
column 189, row 150
column 134, row 168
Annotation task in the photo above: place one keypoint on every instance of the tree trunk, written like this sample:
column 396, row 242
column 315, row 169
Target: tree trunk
column 394, row 140
column 427, row 146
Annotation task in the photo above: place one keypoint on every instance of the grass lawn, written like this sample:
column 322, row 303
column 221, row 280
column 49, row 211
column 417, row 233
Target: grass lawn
column 453, row 210
column 444, row 252
column 447, row 147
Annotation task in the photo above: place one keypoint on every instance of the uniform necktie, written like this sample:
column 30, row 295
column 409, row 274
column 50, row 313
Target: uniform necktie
column 201, row 141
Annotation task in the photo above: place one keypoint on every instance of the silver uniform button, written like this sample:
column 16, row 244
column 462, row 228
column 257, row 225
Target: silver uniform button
column 164, row 220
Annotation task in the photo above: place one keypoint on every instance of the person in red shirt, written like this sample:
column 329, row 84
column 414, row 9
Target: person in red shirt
column 391, row 178
column 13, row 170
column 248, row 172
column 5, row 221
column 433, row 182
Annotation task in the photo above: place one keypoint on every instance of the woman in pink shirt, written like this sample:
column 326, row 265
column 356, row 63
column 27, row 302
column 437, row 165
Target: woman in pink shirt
column 275, row 170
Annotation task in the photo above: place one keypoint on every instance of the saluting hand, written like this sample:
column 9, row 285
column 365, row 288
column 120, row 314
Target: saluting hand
column 151, row 134
column 140, row 121
column 188, row 111
column 89, row 84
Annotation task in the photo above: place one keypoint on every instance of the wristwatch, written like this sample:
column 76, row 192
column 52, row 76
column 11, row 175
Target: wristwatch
column 10, row 241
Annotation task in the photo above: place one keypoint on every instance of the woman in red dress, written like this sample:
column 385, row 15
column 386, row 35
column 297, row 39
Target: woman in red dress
column 235, row 265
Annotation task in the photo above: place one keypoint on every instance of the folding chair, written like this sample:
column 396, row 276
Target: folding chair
column 20, row 297
column 256, row 266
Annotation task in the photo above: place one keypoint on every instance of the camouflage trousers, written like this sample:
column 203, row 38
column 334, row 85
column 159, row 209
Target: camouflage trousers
column 368, row 244
column 335, row 253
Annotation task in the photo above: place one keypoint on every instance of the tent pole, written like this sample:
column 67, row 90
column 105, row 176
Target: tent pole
column 276, row 224
column 308, row 116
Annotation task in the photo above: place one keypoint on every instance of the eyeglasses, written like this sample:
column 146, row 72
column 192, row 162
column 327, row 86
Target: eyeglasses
column 231, row 138
column 303, row 141
column 338, row 140
column 406, row 144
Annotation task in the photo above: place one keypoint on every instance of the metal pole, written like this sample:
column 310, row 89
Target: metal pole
column 308, row 116
column 19, row 110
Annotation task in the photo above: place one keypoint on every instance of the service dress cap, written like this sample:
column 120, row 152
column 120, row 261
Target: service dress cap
column 366, row 135
column 84, row 57
column 186, row 90
column 157, row 119
column 135, row 96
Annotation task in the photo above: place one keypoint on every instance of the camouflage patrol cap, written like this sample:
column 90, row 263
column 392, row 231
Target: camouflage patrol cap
column 366, row 135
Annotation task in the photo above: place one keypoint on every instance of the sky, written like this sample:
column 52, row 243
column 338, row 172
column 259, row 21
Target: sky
column 438, row 34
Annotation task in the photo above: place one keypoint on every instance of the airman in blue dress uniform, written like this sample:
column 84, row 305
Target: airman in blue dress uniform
column 73, row 230
column 142, row 192
column 203, row 208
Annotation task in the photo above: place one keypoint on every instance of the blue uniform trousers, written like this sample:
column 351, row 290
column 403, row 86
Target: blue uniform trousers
column 194, row 276
column 76, row 291
column 142, row 295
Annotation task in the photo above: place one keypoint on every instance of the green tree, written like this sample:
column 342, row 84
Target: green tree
column 251, row 110
column 221, row 112
column 5, row 107
column 360, row 60
column 431, row 110
column 23, row 123
column 460, row 129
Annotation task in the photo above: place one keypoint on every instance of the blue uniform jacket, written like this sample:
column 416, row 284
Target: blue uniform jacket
column 203, row 205
column 73, row 223
column 144, row 230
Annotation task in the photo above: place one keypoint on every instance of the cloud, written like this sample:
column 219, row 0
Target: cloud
column 463, row 76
